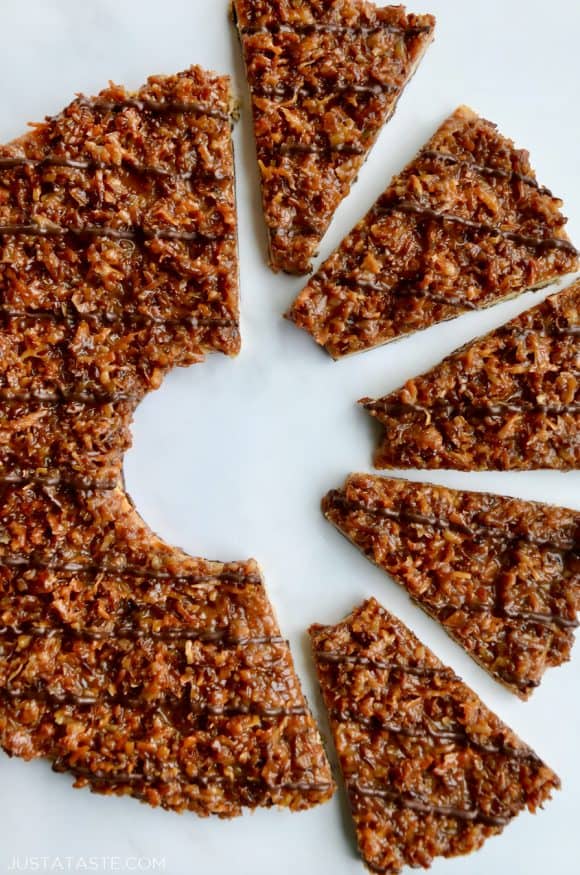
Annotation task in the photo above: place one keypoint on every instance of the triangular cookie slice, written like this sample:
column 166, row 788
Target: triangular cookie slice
column 430, row 770
column 324, row 79
column 501, row 575
column 509, row 400
column 464, row 226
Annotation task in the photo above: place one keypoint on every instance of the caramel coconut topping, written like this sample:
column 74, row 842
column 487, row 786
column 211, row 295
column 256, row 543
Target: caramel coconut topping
column 501, row 575
column 135, row 668
column 507, row 401
column 430, row 771
column 464, row 226
column 324, row 79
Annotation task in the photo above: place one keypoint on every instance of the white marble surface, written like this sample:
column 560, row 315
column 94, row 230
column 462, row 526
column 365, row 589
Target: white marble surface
column 231, row 457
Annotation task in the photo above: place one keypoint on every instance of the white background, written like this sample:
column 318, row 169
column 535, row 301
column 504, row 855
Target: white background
column 231, row 458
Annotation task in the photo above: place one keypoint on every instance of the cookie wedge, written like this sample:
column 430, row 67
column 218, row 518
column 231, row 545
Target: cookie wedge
column 464, row 226
column 506, row 401
column 501, row 575
column 324, row 79
column 430, row 771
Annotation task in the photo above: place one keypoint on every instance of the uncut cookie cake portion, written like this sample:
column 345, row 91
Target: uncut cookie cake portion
column 131, row 666
column 464, row 226
column 429, row 770
column 324, row 79
column 118, row 262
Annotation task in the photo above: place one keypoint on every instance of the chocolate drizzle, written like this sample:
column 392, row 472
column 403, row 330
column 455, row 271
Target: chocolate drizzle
column 339, row 29
column 498, row 610
column 225, row 575
column 157, row 106
column 194, row 710
column 52, row 230
column 16, row 161
column 285, row 91
column 485, row 170
column 63, row 396
column 535, row 617
column 82, row 484
column 133, row 633
column 423, row 212
column 411, row 803
column 101, row 777
column 68, row 313
column 338, row 658
column 512, row 679
column 45, row 696
column 557, row 329
column 471, row 408
column 425, row 732
column 294, row 231
column 311, row 149
column 337, row 499
column 403, row 291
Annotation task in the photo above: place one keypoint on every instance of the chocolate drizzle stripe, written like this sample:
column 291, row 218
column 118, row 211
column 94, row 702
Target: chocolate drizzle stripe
column 546, row 619
column 14, row 162
column 289, row 92
column 338, row 500
column 114, row 633
column 423, row 212
column 412, row 804
column 50, row 230
column 191, row 106
column 500, row 612
column 485, row 170
column 426, row 733
column 553, row 330
column 322, row 27
column 358, row 284
column 193, row 710
column 469, row 408
column 352, row 282
column 337, row 658
column 60, row 765
column 251, row 709
column 302, row 230
column 70, row 314
column 62, row 478
column 66, row 397
column 309, row 149
column 37, row 601
column 512, row 679
column 39, row 564
column 560, row 327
